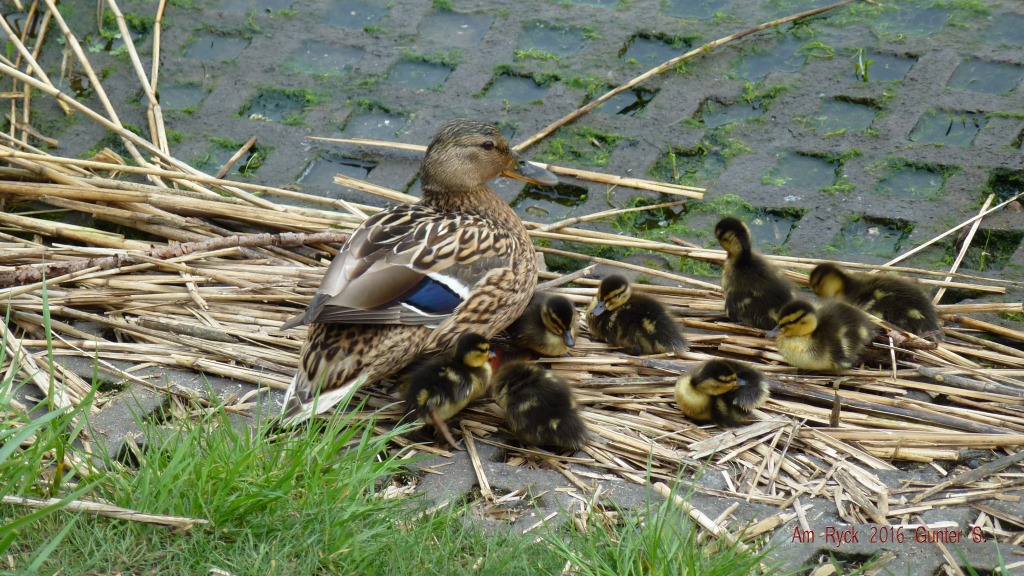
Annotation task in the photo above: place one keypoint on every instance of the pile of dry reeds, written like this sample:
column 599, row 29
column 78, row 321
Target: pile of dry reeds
column 219, row 268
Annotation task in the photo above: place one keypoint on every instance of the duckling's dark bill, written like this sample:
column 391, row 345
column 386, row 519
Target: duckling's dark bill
column 530, row 172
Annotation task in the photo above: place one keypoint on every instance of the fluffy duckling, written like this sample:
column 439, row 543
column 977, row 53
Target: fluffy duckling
column 440, row 387
column 754, row 290
column 539, row 406
column 721, row 391
column 829, row 338
column 637, row 323
column 548, row 326
column 891, row 298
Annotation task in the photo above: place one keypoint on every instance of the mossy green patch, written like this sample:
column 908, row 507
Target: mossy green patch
column 580, row 145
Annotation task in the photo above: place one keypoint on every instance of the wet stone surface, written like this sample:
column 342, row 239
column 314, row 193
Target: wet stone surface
column 863, row 133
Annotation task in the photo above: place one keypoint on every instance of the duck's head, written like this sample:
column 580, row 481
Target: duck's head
column 798, row 318
column 716, row 377
column 733, row 235
column 559, row 316
column 473, row 350
column 464, row 154
column 613, row 292
column 828, row 280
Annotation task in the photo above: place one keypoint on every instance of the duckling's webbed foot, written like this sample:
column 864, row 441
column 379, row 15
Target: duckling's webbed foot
column 443, row 429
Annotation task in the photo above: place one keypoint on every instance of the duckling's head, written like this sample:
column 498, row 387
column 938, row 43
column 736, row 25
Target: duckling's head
column 613, row 292
column 798, row 318
column 559, row 316
column 464, row 154
column 473, row 350
column 716, row 377
column 828, row 280
column 733, row 235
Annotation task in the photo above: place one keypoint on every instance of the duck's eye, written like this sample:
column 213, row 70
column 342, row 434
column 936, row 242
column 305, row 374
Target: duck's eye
column 488, row 145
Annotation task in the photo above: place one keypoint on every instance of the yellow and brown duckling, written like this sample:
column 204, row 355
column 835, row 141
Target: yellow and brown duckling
column 548, row 326
column 441, row 386
column 636, row 323
column 539, row 406
column 896, row 300
column 414, row 277
column 724, row 392
column 754, row 290
column 827, row 339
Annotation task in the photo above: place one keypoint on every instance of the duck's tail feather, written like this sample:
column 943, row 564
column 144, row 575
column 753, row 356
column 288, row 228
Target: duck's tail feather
column 297, row 410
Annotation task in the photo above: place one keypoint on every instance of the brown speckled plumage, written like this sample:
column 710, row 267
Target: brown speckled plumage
column 461, row 247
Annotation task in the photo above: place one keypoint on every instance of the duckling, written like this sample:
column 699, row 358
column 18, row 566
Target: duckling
column 441, row 386
column 829, row 339
column 721, row 391
column 891, row 298
column 754, row 290
column 637, row 323
column 548, row 326
column 412, row 278
column 539, row 406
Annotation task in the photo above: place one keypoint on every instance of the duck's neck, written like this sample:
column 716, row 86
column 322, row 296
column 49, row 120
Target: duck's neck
column 480, row 200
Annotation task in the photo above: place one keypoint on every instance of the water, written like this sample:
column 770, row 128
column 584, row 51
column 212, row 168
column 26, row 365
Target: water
column 316, row 57
column 375, row 124
column 628, row 103
column 695, row 9
column 714, row 113
column 275, row 106
column 987, row 77
column 354, row 14
column 874, row 237
column 213, row 47
column 888, row 67
column 800, row 171
column 781, row 56
column 178, row 97
column 416, row 74
column 949, row 128
column 689, row 167
column 835, row 115
column 1006, row 30
column 650, row 52
column 911, row 182
column 454, row 29
column 771, row 228
column 319, row 173
column 515, row 89
column 1006, row 183
column 549, row 203
column 560, row 41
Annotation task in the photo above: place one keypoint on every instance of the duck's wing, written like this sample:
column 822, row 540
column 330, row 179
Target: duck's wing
column 407, row 265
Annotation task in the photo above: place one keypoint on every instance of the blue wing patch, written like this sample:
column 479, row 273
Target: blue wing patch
column 431, row 297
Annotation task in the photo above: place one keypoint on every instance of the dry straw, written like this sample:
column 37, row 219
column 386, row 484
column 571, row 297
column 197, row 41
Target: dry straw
column 221, row 268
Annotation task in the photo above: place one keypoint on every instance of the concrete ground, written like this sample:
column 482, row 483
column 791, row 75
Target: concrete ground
column 852, row 135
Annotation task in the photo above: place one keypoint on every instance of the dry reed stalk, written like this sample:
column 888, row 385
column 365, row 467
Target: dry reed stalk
column 110, row 511
column 967, row 222
column 964, row 247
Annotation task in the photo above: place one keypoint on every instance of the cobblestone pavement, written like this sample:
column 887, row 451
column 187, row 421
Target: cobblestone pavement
column 855, row 135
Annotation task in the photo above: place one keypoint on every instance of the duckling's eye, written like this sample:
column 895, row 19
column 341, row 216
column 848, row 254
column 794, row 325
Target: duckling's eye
column 488, row 145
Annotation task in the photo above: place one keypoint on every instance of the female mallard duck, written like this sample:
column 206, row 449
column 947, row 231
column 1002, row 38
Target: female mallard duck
column 891, row 298
column 828, row 339
column 721, row 391
column 754, row 290
column 637, row 323
column 539, row 406
column 440, row 387
column 548, row 326
column 412, row 278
